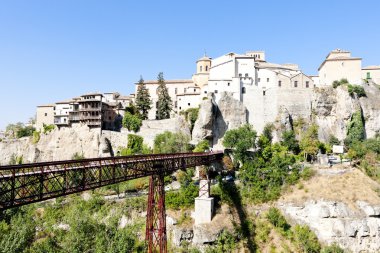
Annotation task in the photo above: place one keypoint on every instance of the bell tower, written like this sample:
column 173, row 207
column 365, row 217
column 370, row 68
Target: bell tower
column 200, row 78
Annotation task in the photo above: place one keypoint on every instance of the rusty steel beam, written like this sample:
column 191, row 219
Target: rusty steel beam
column 29, row 183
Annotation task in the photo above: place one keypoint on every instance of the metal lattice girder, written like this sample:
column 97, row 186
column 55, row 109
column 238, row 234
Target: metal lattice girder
column 156, row 216
column 28, row 183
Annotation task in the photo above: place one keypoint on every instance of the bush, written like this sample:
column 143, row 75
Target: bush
column 202, row 146
column 240, row 140
column 334, row 248
column 305, row 239
column 169, row 142
column 356, row 89
column 355, row 129
column 289, row 140
column 333, row 140
column 307, row 173
column 275, row 217
column 48, row 128
column 36, row 137
column 131, row 122
column 25, row 131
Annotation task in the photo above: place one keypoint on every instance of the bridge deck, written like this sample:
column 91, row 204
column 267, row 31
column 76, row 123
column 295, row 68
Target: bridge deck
column 28, row 183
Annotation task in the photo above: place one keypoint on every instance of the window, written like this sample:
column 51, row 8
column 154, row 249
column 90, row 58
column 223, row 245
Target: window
column 195, row 90
column 180, row 107
column 175, row 104
column 307, row 84
column 175, row 90
column 206, row 68
column 279, row 83
column 243, row 90
column 268, row 80
column 216, row 91
column 188, row 104
column 368, row 75
column 184, row 90
column 45, row 114
column 205, row 92
column 228, row 84
column 240, row 75
column 246, row 75
column 263, row 92
column 200, row 68
column 258, row 80
column 295, row 84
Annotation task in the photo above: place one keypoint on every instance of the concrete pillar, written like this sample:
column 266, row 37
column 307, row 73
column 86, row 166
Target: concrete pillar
column 204, row 204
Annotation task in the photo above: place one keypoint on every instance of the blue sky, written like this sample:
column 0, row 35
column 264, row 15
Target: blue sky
column 55, row 50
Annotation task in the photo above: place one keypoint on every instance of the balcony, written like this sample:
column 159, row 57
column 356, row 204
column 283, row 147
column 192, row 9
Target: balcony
column 90, row 109
column 90, row 117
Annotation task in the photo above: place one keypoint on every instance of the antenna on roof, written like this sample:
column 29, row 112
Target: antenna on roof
column 205, row 53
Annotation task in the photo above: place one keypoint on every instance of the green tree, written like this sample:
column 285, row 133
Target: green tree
column 240, row 140
column 164, row 101
column 202, row 146
column 333, row 140
column 309, row 142
column 289, row 140
column 131, row 122
column 143, row 101
column 169, row 142
column 355, row 129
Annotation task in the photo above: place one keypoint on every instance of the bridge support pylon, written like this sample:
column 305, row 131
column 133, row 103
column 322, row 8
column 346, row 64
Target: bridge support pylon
column 156, row 215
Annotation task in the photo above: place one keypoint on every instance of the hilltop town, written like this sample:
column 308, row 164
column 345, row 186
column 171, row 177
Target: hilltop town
column 265, row 89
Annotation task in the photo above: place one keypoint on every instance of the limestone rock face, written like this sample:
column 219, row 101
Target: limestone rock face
column 180, row 235
column 333, row 109
column 62, row 144
column 215, row 119
column 354, row 230
column 205, row 234
column 230, row 114
column 203, row 127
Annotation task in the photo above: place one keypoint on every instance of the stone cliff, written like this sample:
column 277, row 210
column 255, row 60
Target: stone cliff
column 62, row 144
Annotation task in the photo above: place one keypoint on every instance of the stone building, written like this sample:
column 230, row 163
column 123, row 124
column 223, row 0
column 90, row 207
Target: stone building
column 44, row 115
column 340, row 64
column 371, row 73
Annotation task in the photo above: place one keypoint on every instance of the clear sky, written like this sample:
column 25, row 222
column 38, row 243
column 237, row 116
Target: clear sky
column 55, row 50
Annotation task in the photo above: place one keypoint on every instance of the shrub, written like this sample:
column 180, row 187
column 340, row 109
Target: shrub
column 275, row 217
column 305, row 239
column 307, row 173
column 355, row 129
column 202, row 146
column 333, row 140
column 48, row 128
column 240, row 140
column 131, row 122
column 334, row 248
column 25, row 131
column 36, row 137
column 135, row 143
column 289, row 140
column 169, row 142
column 356, row 89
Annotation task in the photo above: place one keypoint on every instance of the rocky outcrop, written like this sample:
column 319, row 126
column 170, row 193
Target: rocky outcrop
column 332, row 110
column 215, row 119
column 62, row 144
column 356, row 230
column 203, row 127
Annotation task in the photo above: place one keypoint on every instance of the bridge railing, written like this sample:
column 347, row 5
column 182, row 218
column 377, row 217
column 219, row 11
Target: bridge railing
column 28, row 183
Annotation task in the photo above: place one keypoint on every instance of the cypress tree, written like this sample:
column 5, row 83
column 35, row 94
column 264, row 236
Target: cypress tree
column 143, row 101
column 164, row 104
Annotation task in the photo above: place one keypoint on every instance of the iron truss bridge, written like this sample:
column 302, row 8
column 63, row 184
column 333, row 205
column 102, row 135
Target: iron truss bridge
column 35, row 182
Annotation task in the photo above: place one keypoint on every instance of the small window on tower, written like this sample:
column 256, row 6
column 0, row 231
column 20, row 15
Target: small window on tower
column 206, row 68
column 243, row 90
column 200, row 68
column 246, row 75
column 228, row 84
column 240, row 75
column 307, row 84
column 45, row 114
column 268, row 80
column 279, row 83
column 188, row 104
column 295, row 84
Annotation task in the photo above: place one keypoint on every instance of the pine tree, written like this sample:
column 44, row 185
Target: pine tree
column 164, row 104
column 143, row 101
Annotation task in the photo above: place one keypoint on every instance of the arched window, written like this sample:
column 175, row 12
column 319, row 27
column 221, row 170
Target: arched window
column 206, row 68
column 243, row 90
column 200, row 68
